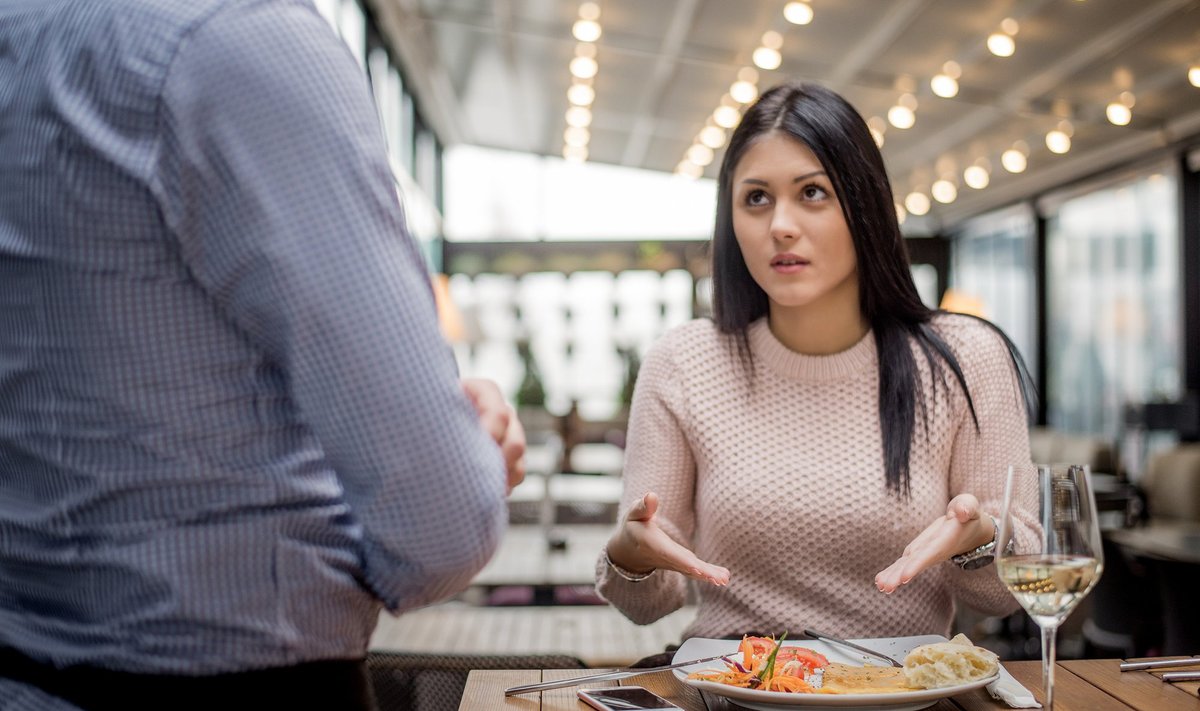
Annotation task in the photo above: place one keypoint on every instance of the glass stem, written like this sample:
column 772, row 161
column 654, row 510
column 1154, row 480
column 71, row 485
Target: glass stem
column 1048, row 635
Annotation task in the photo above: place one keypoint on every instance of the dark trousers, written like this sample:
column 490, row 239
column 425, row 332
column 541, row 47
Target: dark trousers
column 340, row 685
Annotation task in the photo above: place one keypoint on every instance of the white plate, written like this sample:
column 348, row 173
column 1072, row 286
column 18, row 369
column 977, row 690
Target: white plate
column 897, row 647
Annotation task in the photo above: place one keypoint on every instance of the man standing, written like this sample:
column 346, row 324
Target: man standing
column 229, row 429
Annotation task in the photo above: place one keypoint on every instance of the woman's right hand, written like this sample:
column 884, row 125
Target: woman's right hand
column 641, row 546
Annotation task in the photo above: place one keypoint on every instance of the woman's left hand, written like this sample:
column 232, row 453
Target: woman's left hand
column 962, row 529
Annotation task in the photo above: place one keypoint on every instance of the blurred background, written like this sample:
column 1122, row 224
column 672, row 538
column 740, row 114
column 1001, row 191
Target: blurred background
column 557, row 160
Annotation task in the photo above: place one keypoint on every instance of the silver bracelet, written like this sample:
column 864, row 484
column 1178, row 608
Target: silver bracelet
column 627, row 575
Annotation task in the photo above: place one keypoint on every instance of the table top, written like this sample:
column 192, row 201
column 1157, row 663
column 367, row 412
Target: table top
column 1170, row 540
column 525, row 556
column 1081, row 685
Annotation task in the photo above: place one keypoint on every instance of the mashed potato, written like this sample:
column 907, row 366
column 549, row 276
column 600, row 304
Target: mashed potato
column 932, row 666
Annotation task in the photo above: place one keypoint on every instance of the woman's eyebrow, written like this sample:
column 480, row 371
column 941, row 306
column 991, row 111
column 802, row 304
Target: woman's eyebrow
column 798, row 178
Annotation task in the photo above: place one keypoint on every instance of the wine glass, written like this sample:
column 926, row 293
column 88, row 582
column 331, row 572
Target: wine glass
column 1051, row 571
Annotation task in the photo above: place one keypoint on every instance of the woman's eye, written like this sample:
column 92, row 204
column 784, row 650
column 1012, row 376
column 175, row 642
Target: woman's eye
column 814, row 192
column 756, row 197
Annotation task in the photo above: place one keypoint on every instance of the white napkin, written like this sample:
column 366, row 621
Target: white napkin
column 1011, row 692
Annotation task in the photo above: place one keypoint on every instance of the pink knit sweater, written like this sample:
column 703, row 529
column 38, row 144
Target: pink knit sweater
column 780, row 478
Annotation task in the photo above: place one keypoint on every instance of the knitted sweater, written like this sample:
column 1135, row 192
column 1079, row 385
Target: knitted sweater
column 779, row 477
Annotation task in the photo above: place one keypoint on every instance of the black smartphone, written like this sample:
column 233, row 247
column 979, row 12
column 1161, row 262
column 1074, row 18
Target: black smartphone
column 624, row 698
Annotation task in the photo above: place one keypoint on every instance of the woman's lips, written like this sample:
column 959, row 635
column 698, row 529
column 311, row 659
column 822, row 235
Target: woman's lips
column 788, row 264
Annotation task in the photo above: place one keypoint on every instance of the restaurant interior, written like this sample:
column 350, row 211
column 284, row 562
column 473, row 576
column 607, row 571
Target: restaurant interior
column 557, row 163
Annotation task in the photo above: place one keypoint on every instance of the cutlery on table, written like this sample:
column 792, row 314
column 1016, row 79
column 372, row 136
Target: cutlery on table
column 1160, row 664
column 834, row 640
column 604, row 676
column 1172, row 677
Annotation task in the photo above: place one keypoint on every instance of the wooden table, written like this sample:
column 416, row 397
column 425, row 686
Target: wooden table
column 1084, row 685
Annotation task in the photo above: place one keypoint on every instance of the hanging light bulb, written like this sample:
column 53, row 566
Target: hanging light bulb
column 901, row 213
column 700, row 154
column 575, row 154
column 1058, row 141
column 976, row 177
column 586, row 30
column 1194, row 75
column 901, row 116
column 584, row 67
column 1118, row 114
column 581, row 94
column 579, row 116
column 944, row 86
column 689, row 169
column 1001, row 44
column 712, row 136
column 1013, row 160
column 743, row 91
column 944, row 191
column 798, row 13
column 917, row 203
column 589, row 11
column 576, row 136
column 726, row 116
column 767, row 58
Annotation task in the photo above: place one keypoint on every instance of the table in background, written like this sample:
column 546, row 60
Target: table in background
column 1083, row 685
column 529, row 554
column 596, row 634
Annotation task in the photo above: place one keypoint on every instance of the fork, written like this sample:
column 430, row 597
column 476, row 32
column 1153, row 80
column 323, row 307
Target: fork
column 834, row 640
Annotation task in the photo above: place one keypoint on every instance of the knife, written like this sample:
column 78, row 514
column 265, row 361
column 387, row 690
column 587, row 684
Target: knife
column 604, row 676
column 1159, row 664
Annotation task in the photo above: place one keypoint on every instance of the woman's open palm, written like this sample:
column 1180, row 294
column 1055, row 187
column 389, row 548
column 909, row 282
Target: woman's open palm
column 641, row 544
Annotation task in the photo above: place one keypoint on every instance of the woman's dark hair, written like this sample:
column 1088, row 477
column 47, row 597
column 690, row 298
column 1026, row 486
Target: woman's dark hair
column 836, row 133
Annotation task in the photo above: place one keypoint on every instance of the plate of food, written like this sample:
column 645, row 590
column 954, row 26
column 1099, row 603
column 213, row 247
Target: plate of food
column 766, row 674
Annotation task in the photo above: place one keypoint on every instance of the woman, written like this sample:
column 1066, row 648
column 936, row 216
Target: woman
column 785, row 452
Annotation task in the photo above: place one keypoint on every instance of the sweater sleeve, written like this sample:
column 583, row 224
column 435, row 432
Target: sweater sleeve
column 981, row 457
column 658, row 459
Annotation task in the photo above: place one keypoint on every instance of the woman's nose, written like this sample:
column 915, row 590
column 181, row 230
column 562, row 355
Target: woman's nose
column 784, row 225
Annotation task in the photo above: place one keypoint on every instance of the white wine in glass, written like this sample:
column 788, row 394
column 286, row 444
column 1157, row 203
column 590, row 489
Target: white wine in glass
column 1050, row 573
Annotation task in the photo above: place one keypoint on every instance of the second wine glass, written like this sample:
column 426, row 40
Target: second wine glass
column 1051, row 571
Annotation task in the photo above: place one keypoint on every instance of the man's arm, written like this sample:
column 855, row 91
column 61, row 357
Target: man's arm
column 277, row 185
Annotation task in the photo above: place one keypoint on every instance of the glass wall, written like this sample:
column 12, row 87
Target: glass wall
column 993, row 274
column 1114, row 301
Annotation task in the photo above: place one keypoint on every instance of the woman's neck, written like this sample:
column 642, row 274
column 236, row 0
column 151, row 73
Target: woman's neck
column 822, row 329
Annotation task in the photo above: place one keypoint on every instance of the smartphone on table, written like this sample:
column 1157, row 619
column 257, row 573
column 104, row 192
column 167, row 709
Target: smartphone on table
column 624, row 698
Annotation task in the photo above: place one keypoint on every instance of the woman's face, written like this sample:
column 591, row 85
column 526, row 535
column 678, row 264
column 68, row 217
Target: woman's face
column 790, row 227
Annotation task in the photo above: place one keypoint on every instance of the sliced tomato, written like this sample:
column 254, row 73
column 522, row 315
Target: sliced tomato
column 761, row 645
column 807, row 657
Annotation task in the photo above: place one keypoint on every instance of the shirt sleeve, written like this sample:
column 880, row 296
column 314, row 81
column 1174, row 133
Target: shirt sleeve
column 274, row 179
column 980, row 459
column 658, row 458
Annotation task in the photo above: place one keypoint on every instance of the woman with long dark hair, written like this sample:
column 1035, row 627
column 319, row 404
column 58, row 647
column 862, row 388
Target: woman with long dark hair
column 826, row 437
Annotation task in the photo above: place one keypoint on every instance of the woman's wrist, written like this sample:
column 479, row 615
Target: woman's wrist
column 631, row 576
column 618, row 559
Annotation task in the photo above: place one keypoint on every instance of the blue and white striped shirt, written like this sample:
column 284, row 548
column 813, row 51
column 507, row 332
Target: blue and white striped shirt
column 229, row 427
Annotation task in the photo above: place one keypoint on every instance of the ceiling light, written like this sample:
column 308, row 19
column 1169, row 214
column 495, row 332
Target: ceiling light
column 944, row 86
column 1010, row 26
column 772, row 39
column 589, row 11
column 976, row 176
column 700, row 154
column 951, row 69
column 1001, row 44
column 767, row 58
column 798, row 13
column 576, row 136
column 1013, row 160
column 581, row 94
column 712, row 136
column 1058, row 141
column 743, row 92
column 579, row 116
column 1118, row 114
column 584, row 67
column 726, row 116
column 917, row 203
column 586, row 30
column 689, row 169
column 575, row 154
column 901, row 117
column 944, row 191
column 901, row 213
column 878, row 136
column 908, row 101
column 1194, row 75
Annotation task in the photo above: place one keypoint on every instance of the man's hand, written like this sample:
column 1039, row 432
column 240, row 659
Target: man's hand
column 960, row 530
column 501, row 422
column 640, row 546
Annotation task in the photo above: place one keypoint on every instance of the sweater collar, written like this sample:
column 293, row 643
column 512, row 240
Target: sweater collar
column 810, row 368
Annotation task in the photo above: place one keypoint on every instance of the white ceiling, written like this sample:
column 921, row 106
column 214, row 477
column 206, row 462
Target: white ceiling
column 494, row 73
